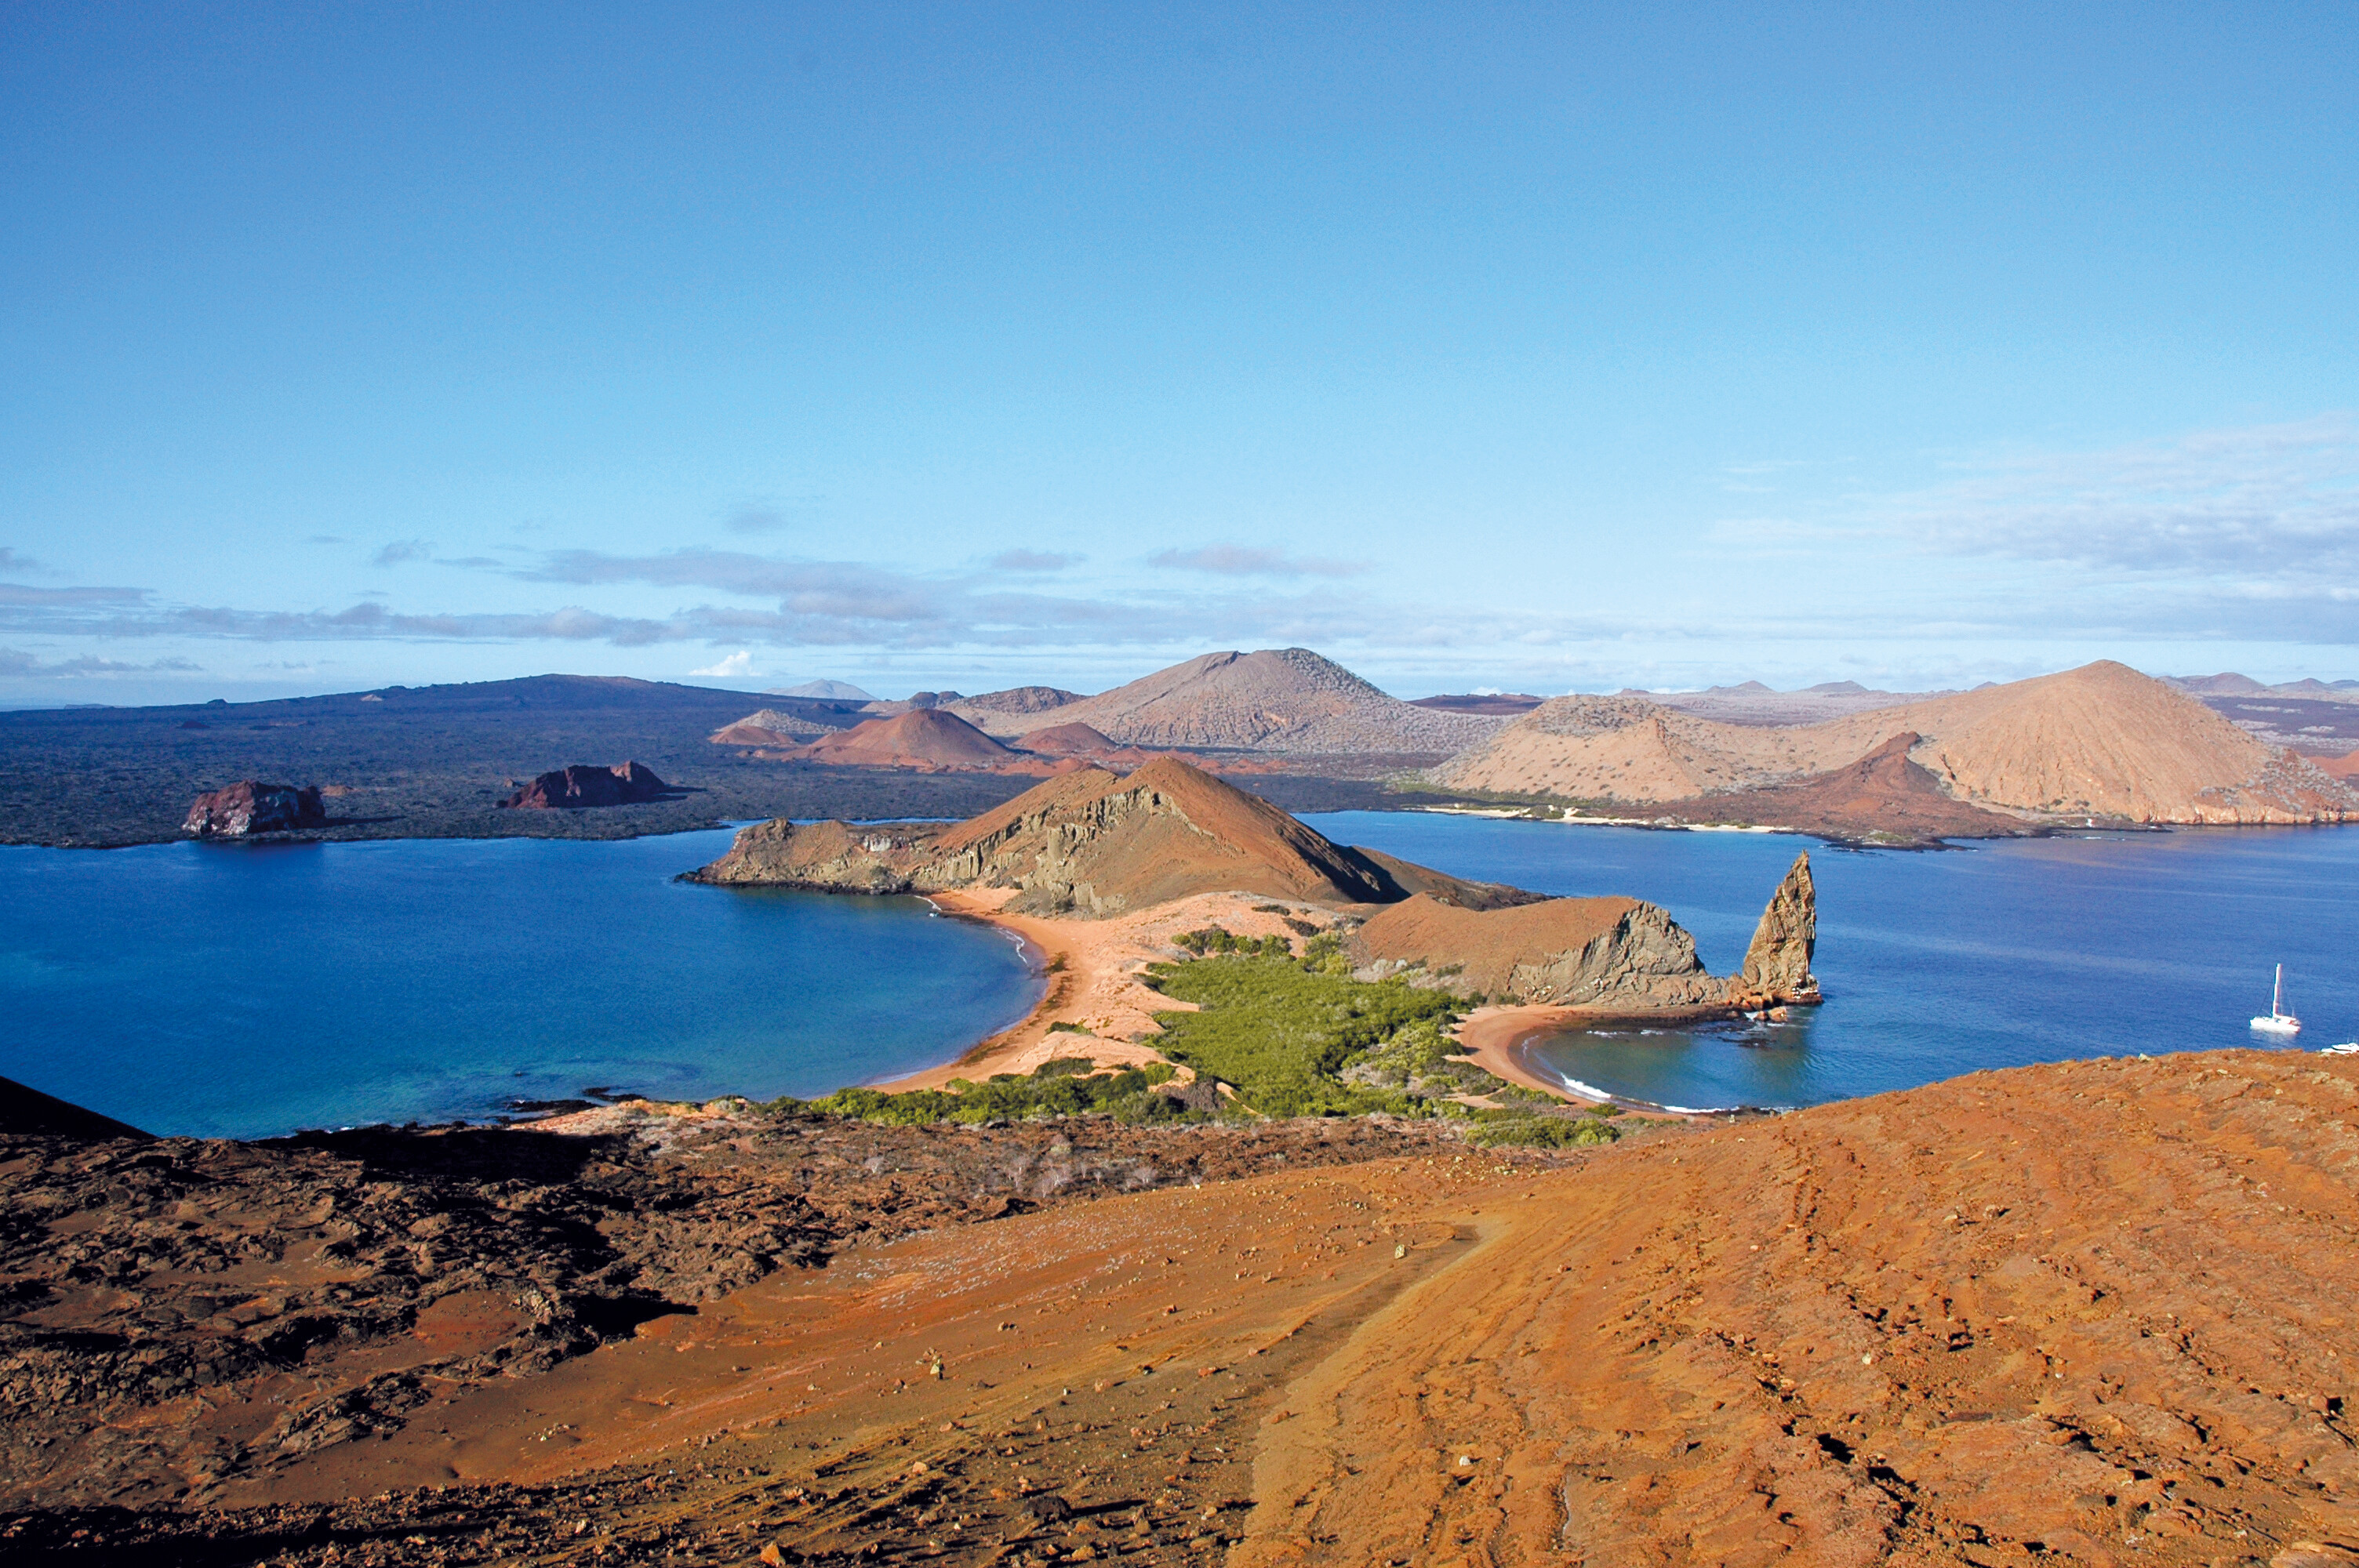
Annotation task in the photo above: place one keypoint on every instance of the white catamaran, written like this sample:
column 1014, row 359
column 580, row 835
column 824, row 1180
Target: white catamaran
column 2278, row 1020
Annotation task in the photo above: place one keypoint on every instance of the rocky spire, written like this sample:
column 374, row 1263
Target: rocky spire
column 1777, row 965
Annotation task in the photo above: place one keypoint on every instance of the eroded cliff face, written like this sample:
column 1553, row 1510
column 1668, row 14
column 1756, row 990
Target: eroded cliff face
column 827, row 857
column 1776, row 968
column 1644, row 960
column 1616, row 953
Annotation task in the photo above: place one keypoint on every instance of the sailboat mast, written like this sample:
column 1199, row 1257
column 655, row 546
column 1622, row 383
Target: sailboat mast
column 2277, row 995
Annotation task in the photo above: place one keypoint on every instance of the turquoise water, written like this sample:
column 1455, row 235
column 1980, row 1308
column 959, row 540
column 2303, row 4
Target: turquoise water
column 1937, row 964
column 244, row 990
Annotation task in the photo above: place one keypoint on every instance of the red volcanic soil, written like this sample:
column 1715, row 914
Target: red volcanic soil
column 923, row 737
column 2089, row 1314
column 1066, row 741
column 2342, row 767
column 1882, row 796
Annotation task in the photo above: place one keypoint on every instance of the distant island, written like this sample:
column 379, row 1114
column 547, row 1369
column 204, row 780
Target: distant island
column 2094, row 746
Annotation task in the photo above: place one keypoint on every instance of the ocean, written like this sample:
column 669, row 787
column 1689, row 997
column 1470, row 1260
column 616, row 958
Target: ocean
column 249, row 990
column 1938, row 963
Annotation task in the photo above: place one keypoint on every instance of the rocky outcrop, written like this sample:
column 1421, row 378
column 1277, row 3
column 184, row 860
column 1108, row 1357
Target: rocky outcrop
column 575, row 788
column 827, row 857
column 250, row 807
column 1776, row 968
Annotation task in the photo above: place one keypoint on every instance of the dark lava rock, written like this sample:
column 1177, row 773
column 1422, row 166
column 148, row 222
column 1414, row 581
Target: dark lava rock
column 625, row 783
column 28, row 1111
column 252, row 807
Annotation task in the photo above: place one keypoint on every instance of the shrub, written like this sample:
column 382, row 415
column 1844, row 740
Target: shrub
column 1522, row 1129
column 1213, row 939
column 1069, row 1086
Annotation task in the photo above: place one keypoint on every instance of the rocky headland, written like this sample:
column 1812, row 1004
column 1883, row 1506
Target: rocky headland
column 1620, row 956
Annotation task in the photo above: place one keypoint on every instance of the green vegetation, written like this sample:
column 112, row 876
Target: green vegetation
column 1069, row 1086
column 1289, row 1035
column 1227, row 943
column 1528, row 1130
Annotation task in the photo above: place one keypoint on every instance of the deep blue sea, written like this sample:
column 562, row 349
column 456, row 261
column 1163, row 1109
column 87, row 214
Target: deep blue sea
column 244, row 990
column 1940, row 962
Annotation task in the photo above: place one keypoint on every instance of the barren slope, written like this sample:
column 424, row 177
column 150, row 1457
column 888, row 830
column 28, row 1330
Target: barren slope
column 1065, row 740
column 2100, row 740
column 2096, row 1313
column 1279, row 699
column 2091, row 1313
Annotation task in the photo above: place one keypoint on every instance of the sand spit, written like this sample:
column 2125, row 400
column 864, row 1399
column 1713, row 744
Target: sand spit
column 2088, row 1313
column 1098, row 1004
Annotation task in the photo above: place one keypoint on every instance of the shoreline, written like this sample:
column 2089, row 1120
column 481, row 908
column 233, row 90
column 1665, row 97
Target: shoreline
column 1497, row 1039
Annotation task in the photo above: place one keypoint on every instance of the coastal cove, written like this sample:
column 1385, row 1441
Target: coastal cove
column 249, row 990
column 1994, row 954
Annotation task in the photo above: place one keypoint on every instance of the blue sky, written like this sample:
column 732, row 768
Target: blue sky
column 1526, row 347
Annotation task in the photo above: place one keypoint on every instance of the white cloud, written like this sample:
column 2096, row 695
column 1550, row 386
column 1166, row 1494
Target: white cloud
column 740, row 663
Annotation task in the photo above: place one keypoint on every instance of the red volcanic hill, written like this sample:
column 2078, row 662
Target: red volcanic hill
column 921, row 738
column 1066, row 741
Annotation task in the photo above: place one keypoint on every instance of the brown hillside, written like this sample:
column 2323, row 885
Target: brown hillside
column 1279, row 699
column 1097, row 844
column 1884, row 797
column 1561, row 951
column 920, row 738
column 1109, row 843
column 2342, row 767
column 1065, row 740
column 2098, row 740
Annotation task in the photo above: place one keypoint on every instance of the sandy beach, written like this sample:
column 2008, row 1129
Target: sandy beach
column 1096, row 985
column 1496, row 1038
